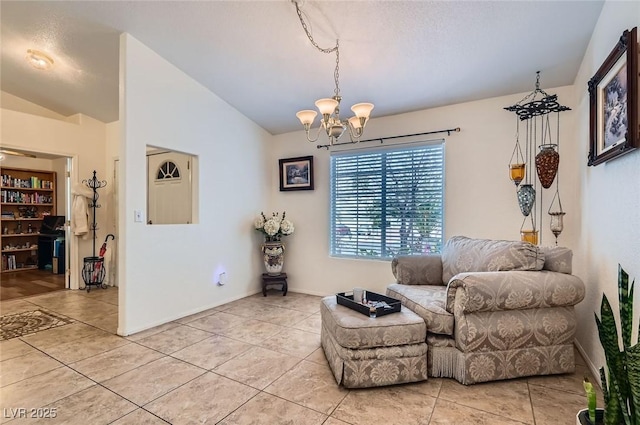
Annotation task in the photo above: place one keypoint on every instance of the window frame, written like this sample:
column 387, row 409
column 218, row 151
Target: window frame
column 398, row 147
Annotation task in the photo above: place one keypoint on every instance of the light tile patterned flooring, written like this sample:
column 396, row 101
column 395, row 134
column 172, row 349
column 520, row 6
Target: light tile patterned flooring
column 253, row 361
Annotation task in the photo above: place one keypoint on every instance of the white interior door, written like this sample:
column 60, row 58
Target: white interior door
column 169, row 188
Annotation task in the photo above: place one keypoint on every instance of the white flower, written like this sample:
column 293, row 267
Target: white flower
column 272, row 226
column 259, row 223
column 287, row 227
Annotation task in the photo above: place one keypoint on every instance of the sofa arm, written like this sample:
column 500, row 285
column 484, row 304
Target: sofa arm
column 514, row 290
column 418, row 270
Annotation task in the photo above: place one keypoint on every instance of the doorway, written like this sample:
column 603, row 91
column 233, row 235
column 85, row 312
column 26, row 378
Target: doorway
column 36, row 256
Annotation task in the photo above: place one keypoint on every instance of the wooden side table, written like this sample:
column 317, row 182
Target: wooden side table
column 280, row 279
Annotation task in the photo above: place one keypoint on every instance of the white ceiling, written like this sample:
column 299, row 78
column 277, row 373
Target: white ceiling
column 400, row 55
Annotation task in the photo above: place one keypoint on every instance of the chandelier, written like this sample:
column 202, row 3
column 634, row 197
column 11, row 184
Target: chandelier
column 330, row 107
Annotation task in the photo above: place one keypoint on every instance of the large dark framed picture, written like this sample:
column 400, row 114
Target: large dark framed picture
column 613, row 98
column 296, row 173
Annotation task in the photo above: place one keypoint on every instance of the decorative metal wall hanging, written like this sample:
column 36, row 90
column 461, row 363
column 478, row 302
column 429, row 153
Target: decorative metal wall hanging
column 534, row 110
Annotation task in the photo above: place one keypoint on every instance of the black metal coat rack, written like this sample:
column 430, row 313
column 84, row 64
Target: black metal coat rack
column 94, row 184
column 93, row 271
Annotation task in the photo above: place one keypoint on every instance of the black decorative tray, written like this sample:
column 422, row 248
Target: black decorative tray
column 347, row 301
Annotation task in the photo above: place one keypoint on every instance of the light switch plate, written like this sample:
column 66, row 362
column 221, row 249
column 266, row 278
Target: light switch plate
column 137, row 216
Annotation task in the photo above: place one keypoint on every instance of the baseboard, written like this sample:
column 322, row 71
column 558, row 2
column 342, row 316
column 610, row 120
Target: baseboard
column 594, row 370
column 306, row 292
column 128, row 332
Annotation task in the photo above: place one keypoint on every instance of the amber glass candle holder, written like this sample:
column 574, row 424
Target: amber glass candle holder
column 530, row 236
column 516, row 173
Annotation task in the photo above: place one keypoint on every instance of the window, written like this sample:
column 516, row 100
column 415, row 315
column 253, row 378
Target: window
column 387, row 202
column 168, row 170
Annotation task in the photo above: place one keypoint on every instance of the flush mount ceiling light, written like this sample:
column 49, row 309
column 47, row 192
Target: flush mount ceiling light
column 330, row 107
column 39, row 60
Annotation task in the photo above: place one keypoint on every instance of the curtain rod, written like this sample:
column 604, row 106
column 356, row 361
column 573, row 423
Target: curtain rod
column 382, row 139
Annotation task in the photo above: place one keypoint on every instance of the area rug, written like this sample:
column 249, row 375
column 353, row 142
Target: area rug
column 28, row 322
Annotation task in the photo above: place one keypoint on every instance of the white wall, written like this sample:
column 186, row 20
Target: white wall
column 77, row 136
column 15, row 103
column 610, row 195
column 480, row 199
column 166, row 272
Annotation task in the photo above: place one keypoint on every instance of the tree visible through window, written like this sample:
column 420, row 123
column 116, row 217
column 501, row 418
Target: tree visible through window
column 387, row 202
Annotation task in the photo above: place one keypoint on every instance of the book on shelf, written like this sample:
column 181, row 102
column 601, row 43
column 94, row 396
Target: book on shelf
column 32, row 182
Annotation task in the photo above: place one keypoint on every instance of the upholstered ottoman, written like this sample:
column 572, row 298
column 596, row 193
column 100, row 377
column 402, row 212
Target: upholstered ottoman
column 370, row 352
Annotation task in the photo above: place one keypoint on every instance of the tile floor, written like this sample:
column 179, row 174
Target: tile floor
column 253, row 361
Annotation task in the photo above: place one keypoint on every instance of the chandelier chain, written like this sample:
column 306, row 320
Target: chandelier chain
column 309, row 36
column 336, row 73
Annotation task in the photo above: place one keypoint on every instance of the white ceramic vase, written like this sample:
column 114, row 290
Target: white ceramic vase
column 273, row 257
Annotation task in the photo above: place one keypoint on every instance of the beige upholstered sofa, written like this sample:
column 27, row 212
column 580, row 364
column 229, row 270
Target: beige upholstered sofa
column 493, row 309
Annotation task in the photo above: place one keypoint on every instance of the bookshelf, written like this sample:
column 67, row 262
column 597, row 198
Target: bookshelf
column 26, row 196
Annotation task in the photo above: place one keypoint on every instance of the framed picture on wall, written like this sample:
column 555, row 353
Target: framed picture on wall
column 613, row 98
column 296, row 173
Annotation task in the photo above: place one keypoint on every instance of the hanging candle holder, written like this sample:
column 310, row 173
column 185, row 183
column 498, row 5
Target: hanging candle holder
column 547, row 161
column 557, row 216
column 516, row 163
column 529, row 235
column 535, row 109
column 526, row 198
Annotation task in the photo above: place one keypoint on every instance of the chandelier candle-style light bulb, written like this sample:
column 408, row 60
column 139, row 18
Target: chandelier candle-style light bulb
column 362, row 110
column 307, row 117
column 326, row 106
column 355, row 123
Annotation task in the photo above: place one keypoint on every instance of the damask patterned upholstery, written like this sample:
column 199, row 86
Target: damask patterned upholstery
column 461, row 254
column 513, row 311
column 557, row 259
column 365, row 352
column 428, row 302
column 492, row 291
column 354, row 330
column 422, row 270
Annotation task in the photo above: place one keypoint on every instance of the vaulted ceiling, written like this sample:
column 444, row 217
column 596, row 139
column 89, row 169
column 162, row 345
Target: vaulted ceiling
column 400, row 55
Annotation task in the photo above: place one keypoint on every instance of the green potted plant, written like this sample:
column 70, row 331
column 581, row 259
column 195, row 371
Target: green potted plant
column 622, row 388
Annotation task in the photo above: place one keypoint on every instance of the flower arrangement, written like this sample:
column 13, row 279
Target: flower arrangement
column 274, row 227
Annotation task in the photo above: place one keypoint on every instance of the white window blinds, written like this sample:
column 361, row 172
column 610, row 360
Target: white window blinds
column 387, row 202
